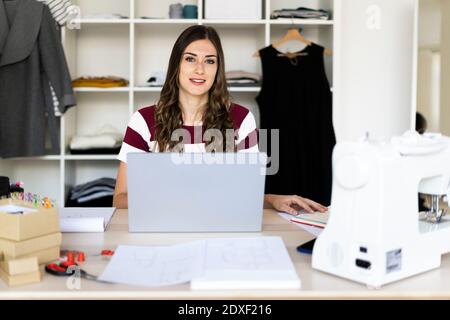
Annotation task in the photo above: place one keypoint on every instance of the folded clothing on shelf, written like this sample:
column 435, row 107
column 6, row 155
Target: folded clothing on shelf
column 100, row 82
column 301, row 13
column 104, row 16
column 96, row 193
column 106, row 140
column 239, row 77
column 96, row 151
column 157, row 79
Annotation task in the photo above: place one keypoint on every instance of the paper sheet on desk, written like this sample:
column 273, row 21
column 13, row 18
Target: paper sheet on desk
column 310, row 229
column 246, row 263
column 229, row 263
column 155, row 266
column 84, row 219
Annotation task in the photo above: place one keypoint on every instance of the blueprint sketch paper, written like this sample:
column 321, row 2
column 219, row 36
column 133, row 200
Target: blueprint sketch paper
column 223, row 263
column 155, row 266
column 247, row 263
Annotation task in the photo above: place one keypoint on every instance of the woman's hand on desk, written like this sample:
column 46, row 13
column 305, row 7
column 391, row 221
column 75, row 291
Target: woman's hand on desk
column 292, row 204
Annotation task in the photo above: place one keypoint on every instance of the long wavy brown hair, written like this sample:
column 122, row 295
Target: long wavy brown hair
column 168, row 117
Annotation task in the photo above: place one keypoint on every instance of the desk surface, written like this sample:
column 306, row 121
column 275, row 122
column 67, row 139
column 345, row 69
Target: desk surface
column 315, row 284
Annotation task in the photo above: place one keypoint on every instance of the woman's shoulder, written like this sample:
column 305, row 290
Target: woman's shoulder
column 147, row 111
column 143, row 119
column 239, row 114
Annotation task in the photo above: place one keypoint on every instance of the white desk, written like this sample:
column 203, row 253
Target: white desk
column 315, row 284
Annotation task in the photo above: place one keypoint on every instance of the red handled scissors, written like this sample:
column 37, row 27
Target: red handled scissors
column 68, row 269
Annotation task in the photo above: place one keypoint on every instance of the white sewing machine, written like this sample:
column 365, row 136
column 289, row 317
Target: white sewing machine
column 375, row 233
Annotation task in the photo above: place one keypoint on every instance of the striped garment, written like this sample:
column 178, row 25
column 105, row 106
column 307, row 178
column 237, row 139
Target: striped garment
column 60, row 10
column 140, row 133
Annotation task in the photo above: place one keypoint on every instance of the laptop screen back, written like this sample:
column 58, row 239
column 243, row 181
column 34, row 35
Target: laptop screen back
column 167, row 193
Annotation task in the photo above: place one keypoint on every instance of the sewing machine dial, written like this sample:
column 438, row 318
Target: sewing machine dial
column 352, row 172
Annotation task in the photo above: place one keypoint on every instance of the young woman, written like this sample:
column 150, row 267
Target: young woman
column 195, row 98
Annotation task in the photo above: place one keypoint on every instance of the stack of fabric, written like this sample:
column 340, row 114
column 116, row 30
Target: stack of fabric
column 100, row 82
column 106, row 140
column 96, row 193
column 241, row 78
column 301, row 13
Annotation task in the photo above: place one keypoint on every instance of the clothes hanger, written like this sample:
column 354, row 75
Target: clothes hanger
column 293, row 33
column 290, row 35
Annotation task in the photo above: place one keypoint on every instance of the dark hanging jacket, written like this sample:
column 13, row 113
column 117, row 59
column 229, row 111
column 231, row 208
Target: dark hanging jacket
column 31, row 58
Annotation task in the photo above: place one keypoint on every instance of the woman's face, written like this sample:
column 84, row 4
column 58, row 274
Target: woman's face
column 198, row 68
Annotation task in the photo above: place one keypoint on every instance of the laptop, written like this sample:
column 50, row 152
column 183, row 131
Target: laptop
column 195, row 192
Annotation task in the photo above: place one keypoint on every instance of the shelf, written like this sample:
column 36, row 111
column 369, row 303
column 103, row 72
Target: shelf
column 314, row 22
column 90, row 89
column 147, row 89
column 102, row 21
column 233, row 22
column 244, row 89
column 231, row 89
column 49, row 157
column 165, row 21
column 67, row 157
column 282, row 21
column 91, row 157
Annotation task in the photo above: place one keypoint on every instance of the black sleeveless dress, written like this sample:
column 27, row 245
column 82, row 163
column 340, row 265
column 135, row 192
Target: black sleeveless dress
column 295, row 98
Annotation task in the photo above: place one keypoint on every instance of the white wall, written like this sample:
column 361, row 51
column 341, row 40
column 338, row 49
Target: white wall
column 373, row 68
column 445, row 68
column 429, row 69
column 428, row 87
column 430, row 23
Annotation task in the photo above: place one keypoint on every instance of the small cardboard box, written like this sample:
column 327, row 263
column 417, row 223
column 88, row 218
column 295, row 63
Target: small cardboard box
column 19, row 266
column 16, row 249
column 43, row 256
column 19, row 227
column 46, row 255
column 20, row 279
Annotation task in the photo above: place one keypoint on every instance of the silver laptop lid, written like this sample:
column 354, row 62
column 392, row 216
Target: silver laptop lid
column 202, row 192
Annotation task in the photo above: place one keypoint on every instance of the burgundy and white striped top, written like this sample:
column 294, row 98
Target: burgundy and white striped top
column 140, row 133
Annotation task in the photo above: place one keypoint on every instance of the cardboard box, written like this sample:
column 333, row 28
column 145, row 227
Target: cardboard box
column 16, row 249
column 19, row 227
column 46, row 255
column 43, row 256
column 233, row 9
column 19, row 266
column 20, row 279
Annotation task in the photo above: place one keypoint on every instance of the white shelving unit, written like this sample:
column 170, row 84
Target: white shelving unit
column 132, row 48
